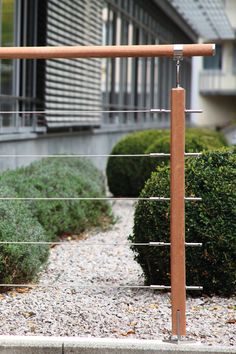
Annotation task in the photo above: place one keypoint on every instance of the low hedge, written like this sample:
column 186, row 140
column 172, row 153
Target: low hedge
column 127, row 176
column 123, row 172
column 19, row 263
column 211, row 221
column 48, row 219
column 60, row 177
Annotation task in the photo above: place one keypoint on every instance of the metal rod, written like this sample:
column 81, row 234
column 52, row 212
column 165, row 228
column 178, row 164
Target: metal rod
column 75, row 242
column 96, row 198
column 193, row 154
column 61, row 112
column 77, row 111
column 83, row 198
column 109, row 51
column 152, row 154
column 78, row 285
column 158, row 154
column 178, row 73
column 189, row 244
column 186, row 198
column 90, row 155
column 177, row 227
column 96, row 286
column 193, row 198
column 154, row 110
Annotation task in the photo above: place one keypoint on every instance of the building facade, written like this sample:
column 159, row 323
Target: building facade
column 45, row 102
column 214, row 78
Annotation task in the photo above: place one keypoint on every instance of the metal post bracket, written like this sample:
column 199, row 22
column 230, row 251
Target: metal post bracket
column 178, row 51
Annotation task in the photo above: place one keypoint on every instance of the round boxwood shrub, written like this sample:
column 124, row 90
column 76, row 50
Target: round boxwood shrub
column 19, row 262
column 211, row 221
column 126, row 176
column 123, row 172
column 196, row 140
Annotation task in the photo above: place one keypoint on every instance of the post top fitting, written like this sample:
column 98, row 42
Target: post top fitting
column 178, row 51
column 213, row 49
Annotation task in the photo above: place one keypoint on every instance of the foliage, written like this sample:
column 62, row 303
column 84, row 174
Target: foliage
column 19, row 262
column 126, row 176
column 196, row 140
column 211, row 221
column 40, row 220
column 61, row 178
column 123, row 172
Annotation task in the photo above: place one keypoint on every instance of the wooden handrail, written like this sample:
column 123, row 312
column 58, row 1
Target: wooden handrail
column 165, row 50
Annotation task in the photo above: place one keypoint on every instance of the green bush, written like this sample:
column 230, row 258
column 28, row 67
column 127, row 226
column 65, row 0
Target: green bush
column 62, row 178
column 44, row 220
column 196, row 140
column 19, row 263
column 211, row 221
column 126, row 176
column 123, row 172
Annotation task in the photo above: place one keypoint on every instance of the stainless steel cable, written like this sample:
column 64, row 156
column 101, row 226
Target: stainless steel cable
column 152, row 110
column 81, row 244
column 152, row 154
column 82, row 198
column 97, row 198
column 90, row 155
column 95, row 286
column 78, row 111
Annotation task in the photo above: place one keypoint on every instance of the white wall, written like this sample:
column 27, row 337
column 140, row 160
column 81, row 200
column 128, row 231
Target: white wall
column 230, row 8
column 218, row 110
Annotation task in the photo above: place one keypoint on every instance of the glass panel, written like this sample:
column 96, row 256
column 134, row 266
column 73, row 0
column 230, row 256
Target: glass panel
column 215, row 62
column 7, row 120
column 234, row 58
column 7, row 40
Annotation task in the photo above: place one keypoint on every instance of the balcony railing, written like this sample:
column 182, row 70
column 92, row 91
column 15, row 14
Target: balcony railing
column 216, row 82
column 177, row 154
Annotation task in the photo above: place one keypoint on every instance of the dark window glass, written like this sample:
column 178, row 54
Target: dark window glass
column 214, row 62
column 234, row 58
column 7, row 8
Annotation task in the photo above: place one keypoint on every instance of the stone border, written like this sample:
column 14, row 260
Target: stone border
column 75, row 345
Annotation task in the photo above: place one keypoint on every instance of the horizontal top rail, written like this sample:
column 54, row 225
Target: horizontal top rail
column 164, row 50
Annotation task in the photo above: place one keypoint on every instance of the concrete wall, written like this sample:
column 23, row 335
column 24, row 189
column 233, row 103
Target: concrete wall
column 218, row 98
column 97, row 142
column 231, row 13
column 218, row 111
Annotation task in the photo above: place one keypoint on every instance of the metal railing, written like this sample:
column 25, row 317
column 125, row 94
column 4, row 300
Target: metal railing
column 177, row 156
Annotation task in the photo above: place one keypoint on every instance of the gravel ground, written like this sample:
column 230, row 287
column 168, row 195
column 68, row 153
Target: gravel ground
column 69, row 309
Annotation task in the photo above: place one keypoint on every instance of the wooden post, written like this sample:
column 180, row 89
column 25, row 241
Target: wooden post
column 177, row 227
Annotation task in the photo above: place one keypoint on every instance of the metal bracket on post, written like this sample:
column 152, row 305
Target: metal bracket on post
column 178, row 56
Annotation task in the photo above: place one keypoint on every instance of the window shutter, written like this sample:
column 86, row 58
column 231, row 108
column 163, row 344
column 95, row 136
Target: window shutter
column 73, row 84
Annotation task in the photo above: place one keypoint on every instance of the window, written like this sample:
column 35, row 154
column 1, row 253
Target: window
column 18, row 88
column 214, row 62
column 126, row 81
column 7, row 9
column 138, row 83
column 234, row 58
column 7, row 69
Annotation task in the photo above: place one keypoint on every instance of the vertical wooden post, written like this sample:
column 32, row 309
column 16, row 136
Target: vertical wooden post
column 177, row 227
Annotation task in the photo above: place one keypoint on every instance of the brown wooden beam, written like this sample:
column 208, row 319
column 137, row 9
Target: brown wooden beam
column 104, row 51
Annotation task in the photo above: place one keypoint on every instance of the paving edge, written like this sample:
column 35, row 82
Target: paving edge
column 66, row 345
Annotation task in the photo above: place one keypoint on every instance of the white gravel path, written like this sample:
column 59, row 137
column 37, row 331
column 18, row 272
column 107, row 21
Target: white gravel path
column 71, row 310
